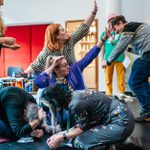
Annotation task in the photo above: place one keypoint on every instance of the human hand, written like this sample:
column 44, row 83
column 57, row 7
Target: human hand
column 15, row 46
column 29, row 71
column 95, row 8
column 38, row 133
column 107, row 33
column 104, row 64
column 9, row 40
column 57, row 61
column 41, row 114
column 55, row 140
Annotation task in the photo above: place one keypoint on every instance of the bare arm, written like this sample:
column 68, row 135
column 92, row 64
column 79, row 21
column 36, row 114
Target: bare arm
column 90, row 18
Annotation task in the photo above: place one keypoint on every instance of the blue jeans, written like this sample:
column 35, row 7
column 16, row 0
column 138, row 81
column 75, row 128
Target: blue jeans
column 139, row 84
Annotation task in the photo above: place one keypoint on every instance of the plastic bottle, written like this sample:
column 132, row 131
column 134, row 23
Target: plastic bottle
column 13, row 74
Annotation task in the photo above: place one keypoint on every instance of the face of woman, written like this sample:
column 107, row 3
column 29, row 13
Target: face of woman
column 63, row 35
column 63, row 68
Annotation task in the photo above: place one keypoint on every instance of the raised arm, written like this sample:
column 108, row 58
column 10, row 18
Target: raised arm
column 88, row 21
column 91, row 55
column 44, row 79
column 84, row 28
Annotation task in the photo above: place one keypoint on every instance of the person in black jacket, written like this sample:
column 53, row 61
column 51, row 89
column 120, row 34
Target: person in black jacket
column 19, row 114
column 96, row 119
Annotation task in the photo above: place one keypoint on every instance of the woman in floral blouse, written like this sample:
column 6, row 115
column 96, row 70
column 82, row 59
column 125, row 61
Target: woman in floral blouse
column 96, row 119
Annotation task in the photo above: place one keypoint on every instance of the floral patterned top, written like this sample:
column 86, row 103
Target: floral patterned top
column 89, row 108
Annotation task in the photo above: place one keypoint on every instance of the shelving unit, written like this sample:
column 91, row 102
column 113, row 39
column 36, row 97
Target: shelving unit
column 26, row 84
column 90, row 74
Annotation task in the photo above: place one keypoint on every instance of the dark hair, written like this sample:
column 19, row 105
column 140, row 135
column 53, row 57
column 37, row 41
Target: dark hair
column 56, row 96
column 117, row 20
column 32, row 111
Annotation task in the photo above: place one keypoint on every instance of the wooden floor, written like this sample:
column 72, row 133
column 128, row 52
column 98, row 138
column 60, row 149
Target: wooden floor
column 142, row 130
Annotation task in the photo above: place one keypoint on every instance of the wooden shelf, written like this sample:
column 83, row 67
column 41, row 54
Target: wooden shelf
column 90, row 73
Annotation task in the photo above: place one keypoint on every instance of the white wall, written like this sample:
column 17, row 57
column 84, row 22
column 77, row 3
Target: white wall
column 16, row 12
column 35, row 11
column 136, row 10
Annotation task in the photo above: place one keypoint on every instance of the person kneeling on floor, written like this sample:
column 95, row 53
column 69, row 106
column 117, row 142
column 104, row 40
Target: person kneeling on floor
column 19, row 114
column 96, row 119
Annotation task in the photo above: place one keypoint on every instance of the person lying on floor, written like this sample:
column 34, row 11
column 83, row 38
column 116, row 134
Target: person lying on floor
column 19, row 114
column 58, row 70
column 96, row 119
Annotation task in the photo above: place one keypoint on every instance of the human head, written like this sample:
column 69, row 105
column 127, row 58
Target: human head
column 57, row 96
column 62, row 69
column 118, row 23
column 31, row 112
column 55, row 35
column 111, row 16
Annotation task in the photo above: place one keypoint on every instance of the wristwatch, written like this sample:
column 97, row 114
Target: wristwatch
column 64, row 136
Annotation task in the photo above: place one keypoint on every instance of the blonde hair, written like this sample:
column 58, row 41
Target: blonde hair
column 51, row 41
column 2, row 27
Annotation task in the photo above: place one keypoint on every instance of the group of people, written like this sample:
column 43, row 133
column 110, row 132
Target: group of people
column 93, row 118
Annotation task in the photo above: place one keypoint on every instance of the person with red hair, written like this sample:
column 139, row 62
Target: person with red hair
column 58, row 42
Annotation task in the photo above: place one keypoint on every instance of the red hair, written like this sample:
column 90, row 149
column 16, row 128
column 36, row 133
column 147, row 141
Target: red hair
column 51, row 42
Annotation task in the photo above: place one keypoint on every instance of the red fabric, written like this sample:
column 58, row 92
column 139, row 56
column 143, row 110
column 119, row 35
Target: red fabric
column 31, row 39
column 37, row 42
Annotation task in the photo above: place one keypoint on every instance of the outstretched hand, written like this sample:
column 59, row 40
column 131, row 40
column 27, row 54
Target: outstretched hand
column 15, row 46
column 95, row 7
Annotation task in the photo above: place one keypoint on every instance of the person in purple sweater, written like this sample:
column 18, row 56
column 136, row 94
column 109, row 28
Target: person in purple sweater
column 59, row 71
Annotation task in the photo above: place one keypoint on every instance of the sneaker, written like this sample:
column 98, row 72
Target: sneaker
column 121, row 96
column 143, row 118
column 129, row 98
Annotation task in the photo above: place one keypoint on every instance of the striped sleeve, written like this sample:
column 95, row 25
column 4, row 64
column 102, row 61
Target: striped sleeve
column 39, row 63
column 125, row 39
column 80, row 33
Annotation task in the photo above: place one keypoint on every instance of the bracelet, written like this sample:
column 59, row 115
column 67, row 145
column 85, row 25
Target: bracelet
column 93, row 12
column 64, row 136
